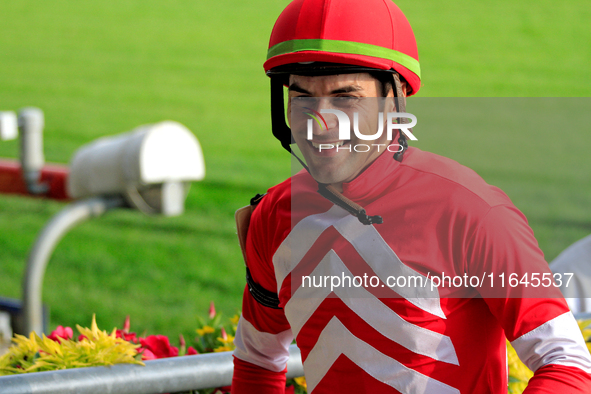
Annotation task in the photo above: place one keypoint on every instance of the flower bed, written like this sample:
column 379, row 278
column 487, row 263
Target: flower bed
column 95, row 347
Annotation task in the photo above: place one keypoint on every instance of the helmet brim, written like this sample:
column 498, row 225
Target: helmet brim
column 313, row 63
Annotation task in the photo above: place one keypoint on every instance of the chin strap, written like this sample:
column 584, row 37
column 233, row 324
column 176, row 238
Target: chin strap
column 400, row 101
column 333, row 195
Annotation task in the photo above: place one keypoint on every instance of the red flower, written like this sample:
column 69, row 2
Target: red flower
column 126, row 325
column 159, row 345
column 191, row 351
column 128, row 336
column 211, row 310
column 61, row 332
column 290, row 390
column 124, row 333
column 146, row 354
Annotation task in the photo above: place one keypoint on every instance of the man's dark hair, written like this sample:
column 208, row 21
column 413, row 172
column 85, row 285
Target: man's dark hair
column 320, row 68
column 385, row 80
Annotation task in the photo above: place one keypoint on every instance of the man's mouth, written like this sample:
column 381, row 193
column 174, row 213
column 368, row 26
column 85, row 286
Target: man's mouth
column 327, row 145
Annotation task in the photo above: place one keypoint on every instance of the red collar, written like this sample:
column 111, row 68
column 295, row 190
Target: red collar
column 374, row 180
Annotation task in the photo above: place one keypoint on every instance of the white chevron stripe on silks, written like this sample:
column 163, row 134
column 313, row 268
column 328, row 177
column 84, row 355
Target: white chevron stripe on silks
column 417, row 339
column 335, row 340
column 369, row 244
column 385, row 263
column 558, row 341
column 269, row 351
column 300, row 239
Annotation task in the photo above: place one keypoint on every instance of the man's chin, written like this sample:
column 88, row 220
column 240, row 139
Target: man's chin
column 328, row 178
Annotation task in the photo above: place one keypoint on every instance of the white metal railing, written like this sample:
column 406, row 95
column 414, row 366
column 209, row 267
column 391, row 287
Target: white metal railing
column 166, row 375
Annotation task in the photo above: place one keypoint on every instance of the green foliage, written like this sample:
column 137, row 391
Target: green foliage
column 98, row 348
column 213, row 335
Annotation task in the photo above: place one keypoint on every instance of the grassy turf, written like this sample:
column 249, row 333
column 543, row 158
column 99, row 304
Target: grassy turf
column 103, row 67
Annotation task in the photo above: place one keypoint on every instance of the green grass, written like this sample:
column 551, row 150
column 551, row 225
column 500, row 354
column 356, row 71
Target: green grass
column 102, row 67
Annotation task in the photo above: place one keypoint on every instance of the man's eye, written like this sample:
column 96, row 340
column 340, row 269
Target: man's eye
column 345, row 101
column 304, row 102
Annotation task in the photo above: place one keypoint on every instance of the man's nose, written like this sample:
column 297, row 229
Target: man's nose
column 331, row 120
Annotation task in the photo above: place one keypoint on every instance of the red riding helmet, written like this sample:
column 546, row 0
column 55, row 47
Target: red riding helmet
column 370, row 34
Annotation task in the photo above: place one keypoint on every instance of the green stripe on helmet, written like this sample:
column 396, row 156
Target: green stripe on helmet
column 347, row 47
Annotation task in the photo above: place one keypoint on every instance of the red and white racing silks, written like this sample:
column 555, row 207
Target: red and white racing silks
column 440, row 218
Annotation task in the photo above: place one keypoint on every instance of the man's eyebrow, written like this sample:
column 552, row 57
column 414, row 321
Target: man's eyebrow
column 347, row 89
column 297, row 88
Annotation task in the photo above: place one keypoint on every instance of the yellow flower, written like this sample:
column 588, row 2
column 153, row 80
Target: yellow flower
column 36, row 354
column 205, row 330
column 301, row 381
column 229, row 340
column 234, row 319
column 585, row 327
column 227, row 343
column 223, row 349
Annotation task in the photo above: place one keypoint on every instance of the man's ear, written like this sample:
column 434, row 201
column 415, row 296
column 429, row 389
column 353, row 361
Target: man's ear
column 405, row 87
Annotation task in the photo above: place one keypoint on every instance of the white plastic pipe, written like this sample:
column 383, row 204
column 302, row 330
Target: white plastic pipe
column 30, row 123
column 52, row 233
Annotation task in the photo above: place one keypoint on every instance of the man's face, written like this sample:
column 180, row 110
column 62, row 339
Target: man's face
column 344, row 92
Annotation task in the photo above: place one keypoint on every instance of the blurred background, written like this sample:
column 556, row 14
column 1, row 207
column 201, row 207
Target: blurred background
column 103, row 67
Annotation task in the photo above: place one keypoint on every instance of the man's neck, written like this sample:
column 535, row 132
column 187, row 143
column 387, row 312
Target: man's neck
column 339, row 185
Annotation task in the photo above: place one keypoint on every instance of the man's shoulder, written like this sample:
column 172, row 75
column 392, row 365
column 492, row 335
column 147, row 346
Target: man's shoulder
column 278, row 193
column 444, row 176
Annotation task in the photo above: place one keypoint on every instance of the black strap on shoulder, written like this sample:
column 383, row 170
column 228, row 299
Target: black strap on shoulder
column 257, row 199
column 259, row 293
